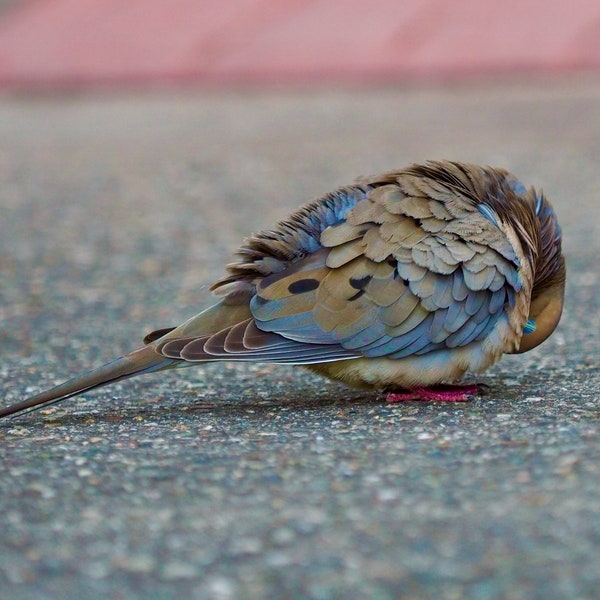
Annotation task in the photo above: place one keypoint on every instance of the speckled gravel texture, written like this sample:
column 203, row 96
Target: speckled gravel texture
column 230, row 481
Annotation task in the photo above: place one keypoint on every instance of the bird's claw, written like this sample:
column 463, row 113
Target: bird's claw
column 439, row 393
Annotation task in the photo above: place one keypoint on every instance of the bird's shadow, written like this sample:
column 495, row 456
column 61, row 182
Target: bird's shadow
column 177, row 407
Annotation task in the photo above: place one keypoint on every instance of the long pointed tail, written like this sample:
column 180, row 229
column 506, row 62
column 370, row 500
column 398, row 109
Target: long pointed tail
column 143, row 360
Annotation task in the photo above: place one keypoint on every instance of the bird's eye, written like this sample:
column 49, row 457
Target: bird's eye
column 529, row 327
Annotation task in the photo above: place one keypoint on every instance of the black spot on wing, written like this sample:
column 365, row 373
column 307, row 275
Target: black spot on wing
column 359, row 284
column 303, row 285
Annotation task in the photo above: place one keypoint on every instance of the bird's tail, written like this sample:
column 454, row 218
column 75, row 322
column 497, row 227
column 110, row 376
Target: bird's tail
column 143, row 360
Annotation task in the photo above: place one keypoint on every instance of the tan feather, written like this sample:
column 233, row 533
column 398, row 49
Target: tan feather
column 399, row 311
column 340, row 234
column 376, row 248
column 344, row 253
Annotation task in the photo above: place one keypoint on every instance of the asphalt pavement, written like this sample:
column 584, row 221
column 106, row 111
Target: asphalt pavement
column 236, row 481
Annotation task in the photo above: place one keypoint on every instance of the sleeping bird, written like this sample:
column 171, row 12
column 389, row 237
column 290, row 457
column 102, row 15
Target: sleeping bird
column 400, row 282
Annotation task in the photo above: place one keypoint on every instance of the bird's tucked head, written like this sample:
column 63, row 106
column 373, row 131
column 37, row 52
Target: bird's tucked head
column 533, row 219
column 548, row 291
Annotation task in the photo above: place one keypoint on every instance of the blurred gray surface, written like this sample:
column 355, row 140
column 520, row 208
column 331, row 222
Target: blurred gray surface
column 230, row 481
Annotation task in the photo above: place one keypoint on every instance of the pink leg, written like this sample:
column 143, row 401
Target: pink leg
column 438, row 393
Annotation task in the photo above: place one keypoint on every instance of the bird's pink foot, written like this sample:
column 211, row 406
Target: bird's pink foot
column 438, row 393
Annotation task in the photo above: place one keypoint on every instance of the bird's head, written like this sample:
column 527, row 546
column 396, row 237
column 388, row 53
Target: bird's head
column 549, row 273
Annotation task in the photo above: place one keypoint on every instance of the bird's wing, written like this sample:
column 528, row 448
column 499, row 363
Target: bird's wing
column 240, row 339
column 414, row 267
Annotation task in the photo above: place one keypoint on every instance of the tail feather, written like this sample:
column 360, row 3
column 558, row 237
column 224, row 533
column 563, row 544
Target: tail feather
column 143, row 360
column 224, row 314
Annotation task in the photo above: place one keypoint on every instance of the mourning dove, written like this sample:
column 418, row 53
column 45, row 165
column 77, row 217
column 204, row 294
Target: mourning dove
column 400, row 282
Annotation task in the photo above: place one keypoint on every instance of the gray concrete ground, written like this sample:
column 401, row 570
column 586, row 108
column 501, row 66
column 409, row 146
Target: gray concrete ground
column 231, row 481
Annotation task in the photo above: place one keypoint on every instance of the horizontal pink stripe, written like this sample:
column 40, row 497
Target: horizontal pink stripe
column 74, row 42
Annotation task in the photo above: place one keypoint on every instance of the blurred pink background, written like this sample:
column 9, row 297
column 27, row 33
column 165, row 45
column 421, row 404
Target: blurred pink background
column 78, row 43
